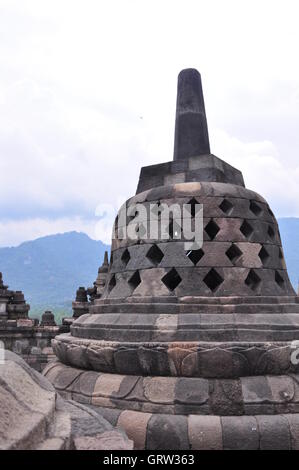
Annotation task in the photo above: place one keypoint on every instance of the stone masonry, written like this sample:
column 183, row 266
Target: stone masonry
column 191, row 349
column 34, row 417
column 23, row 335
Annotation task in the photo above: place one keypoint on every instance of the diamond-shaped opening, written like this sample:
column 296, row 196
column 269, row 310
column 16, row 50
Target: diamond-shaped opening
column 255, row 208
column 195, row 255
column 213, row 280
column 212, row 229
column 112, row 283
column 271, row 232
column 233, row 253
column 226, row 207
column 252, row 280
column 246, row 229
column 192, row 203
column 270, row 212
column 155, row 255
column 134, row 280
column 172, row 279
column 125, row 257
column 264, row 255
column 279, row 279
column 174, row 230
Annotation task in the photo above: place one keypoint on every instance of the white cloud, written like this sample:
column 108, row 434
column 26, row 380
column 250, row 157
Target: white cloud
column 263, row 172
column 87, row 97
column 18, row 231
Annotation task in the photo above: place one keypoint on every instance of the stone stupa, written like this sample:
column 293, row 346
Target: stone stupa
column 192, row 349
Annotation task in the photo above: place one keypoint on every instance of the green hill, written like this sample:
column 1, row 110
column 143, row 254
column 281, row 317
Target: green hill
column 50, row 269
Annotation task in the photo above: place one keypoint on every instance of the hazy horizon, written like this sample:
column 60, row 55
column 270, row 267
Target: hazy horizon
column 91, row 237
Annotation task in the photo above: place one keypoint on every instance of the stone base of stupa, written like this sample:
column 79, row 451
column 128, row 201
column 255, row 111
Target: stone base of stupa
column 180, row 413
column 236, row 388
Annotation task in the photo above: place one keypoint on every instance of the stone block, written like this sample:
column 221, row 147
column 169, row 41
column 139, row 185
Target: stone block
column 191, row 391
column 205, row 432
column 174, row 178
column 108, row 440
column 274, row 432
column 293, row 420
column 135, row 426
column 166, row 432
column 226, row 397
column 159, row 389
column 256, row 389
column 240, row 432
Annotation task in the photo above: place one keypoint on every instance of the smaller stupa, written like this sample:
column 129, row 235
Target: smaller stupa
column 85, row 297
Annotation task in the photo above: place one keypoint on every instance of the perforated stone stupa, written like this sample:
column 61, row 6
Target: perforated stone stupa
column 192, row 348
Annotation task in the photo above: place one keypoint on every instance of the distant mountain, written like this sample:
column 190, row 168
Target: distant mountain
column 50, row 269
column 289, row 231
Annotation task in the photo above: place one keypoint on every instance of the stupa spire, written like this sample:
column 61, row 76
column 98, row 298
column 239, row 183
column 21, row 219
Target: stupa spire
column 191, row 129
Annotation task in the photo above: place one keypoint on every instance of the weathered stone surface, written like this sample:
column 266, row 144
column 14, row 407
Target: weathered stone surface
column 202, row 359
column 293, row 420
column 108, row 440
column 66, row 377
column 154, row 362
column 256, row 389
column 166, row 433
column 107, row 384
column 33, row 416
column 84, row 386
column 185, row 395
column 240, row 433
column 135, row 426
column 205, row 432
column 109, row 414
column 226, row 396
column 159, row 389
column 191, row 131
column 274, row 432
column 127, row 361
column 191, row 391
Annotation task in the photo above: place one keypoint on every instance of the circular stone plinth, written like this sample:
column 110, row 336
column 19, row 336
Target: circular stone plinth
column 178, row 395
column 250, row 413
column 188, row 359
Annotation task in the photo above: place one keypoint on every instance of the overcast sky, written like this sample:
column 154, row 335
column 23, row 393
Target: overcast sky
column 88, row 92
